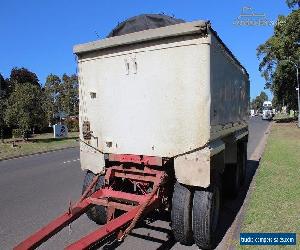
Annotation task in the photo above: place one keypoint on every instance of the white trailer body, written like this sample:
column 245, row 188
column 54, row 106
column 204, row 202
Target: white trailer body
column 174, row 92
column 163, row 127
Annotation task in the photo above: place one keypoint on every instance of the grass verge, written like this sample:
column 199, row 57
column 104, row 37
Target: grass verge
column 284, row 118
column 39, row 143
column 274, row 204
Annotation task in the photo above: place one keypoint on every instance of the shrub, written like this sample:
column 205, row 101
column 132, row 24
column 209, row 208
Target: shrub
column 17, row 133
column 72, row 124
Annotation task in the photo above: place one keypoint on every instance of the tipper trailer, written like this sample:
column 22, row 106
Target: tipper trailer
column 163, row 125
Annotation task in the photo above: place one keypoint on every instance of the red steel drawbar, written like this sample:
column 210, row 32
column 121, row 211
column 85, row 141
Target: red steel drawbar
column 142, row 171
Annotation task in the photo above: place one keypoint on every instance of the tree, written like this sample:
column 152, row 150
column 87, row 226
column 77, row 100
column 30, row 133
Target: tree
column 52, row 91
column 21, row 76
column 24, row 109
column 3, row 87
column 3, row 97
column 69, row 99
column 257, row 103
column 277, row 55
column 2, row 112
column 292, row 3
column 61, row 96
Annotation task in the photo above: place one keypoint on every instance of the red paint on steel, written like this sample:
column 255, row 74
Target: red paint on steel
column 134, row 204
column 113, row 204
column 109, row 228
column 53, row 227
column 138, row 215
column 118, row 195
column 136, row 177
column 141, row 175
column 59, row 223
column 88, row 190
column 138, row 159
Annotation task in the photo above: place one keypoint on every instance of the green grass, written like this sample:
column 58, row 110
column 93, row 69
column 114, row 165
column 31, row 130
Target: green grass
column 39, row 143
column 274, row 205
column 281, row 117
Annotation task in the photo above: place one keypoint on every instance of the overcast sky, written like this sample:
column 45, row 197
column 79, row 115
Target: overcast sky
column 39, row 35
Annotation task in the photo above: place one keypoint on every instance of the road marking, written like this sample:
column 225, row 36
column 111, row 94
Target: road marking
column 70, row 161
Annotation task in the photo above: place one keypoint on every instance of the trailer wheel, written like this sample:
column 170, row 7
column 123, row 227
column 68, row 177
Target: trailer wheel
column 242, row 160
column 181, row 214
column 206, row 207
column 96, row 213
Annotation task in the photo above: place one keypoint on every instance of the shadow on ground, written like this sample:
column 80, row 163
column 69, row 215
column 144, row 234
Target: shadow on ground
column 48, row 140
column 231, row 207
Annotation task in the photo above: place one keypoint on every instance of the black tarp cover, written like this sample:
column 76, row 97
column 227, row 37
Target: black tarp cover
column 143, row 22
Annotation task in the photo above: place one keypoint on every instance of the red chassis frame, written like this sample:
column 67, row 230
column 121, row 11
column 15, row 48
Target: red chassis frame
column 140, row 170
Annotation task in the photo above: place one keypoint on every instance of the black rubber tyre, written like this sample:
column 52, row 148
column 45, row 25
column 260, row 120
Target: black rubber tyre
column 96, row 213
column 242, row 160
column 181, row 214
column 231, row 180
column 206, row 209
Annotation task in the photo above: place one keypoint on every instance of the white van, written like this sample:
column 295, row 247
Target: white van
column 267, row 113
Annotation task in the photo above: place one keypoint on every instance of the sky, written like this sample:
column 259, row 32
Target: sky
column 40, row 35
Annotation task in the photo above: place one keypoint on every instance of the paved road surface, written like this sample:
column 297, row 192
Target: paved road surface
column 35, row 189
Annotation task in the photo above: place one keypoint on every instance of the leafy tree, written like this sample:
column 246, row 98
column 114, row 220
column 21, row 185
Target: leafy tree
column 257, row 103
column 2, row 111
column 293, row 3
column 3, row 96
column 52, row 92
column 61, row 96
column 24, row 109
column 278, row 55
column 69, row 99
column 21, row 76
column 3, row 87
